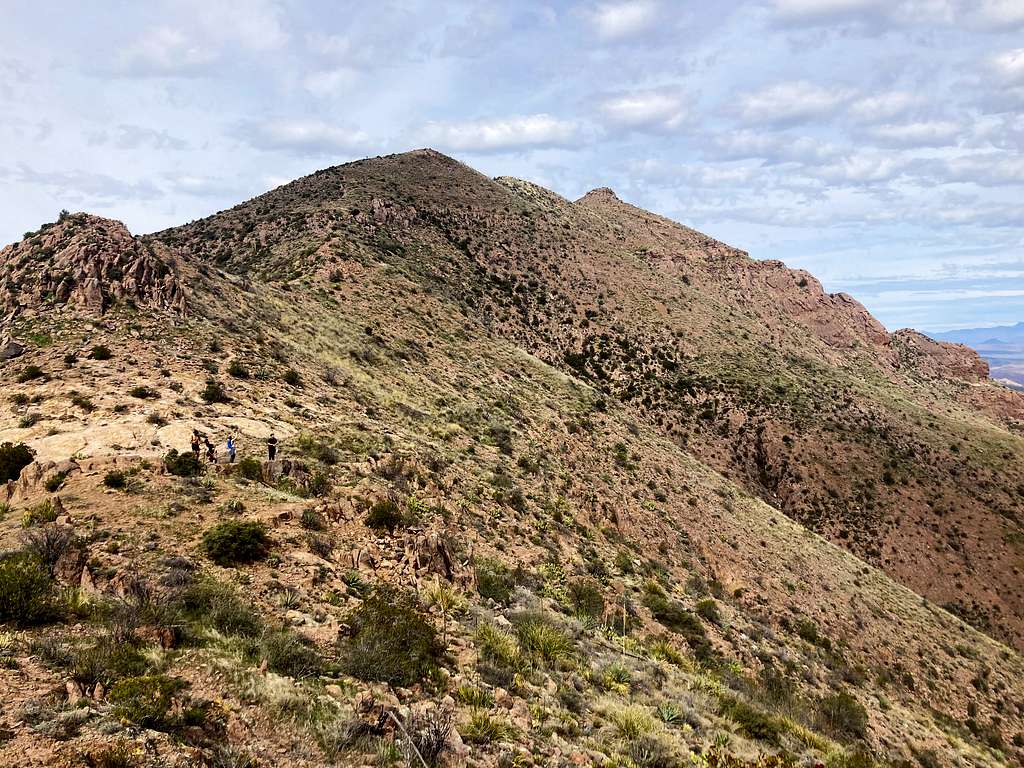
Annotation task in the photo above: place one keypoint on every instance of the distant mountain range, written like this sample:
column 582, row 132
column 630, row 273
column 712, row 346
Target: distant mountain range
column 1001, row 346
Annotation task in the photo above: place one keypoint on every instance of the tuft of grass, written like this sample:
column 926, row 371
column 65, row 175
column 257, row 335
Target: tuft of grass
column 484, row 729
column 543, row 642
column 631, row 722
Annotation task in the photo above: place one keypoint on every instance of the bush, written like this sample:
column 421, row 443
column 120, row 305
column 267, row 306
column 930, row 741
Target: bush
column 145, row 701
column 288, row 654
column 143, row 393
column 493, row 580
column 708, row 610
column 55, row 481
column 841, row 716
column 672, row 615
column 211, row 604
column 385, row 514
column 83, row 402
column 250, row 468
column 234, row 542
column 214, row 392
column 26, row 589
column 30, row 373
column 752, row 722
column 237, row 370
column 543, row 641
column 585, row 598
column 40, row 514
column 390, row 641
column 182, row 464
column 318, row 484
column 312, row 520
column 484, row 729
column 100, row 352
column 106, row 661
column 292, row 378
column 48, row 543
column 13, row 459
column 70, row 359
column 116, row 479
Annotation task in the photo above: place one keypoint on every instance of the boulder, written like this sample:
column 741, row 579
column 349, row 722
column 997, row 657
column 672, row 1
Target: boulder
column 11, row 350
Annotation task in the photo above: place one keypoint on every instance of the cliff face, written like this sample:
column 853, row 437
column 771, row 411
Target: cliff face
column 86, row 263
column 939, row 359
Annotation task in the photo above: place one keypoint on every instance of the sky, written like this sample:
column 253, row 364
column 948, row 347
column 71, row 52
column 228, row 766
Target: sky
column 876, row 143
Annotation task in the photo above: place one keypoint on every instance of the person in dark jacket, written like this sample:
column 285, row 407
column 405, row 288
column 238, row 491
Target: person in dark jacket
column 271, row 447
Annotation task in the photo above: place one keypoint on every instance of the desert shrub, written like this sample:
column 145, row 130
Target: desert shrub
column 100, row 352
column 143, row 393
column 494, row 580
column 115, row 478
column 237, row 370
column 182, row 464
column 70, row 359
column 390, row 640
column 318, row 484
column 55, row 481
column 312, row 520
column 321, row 546
column 250, row 468
column 292, row 378
column 81, row 401
column 120, row 755
column 807, row 630
column 40, row 514
column 708, row 610
column 146, row 700
column 13, row 459
column 19, row 398
column 207, row 603
column 288, row 654
column 317, row 449
column 484, row 729
column 106, row 660
column 48, row 543
column 498, row 646
column 29, row 420
column 26, row 589
column 30, row 373
column 841, row 716
column 214, row 392
column 471, row 696
column 585, row 597
column 543, row 642
column 234, row 542
column 385, row 514
column 751, row 721
column 431, row 732
column 672, row 615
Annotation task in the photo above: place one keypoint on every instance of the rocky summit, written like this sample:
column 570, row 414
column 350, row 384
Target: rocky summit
column 556, row 483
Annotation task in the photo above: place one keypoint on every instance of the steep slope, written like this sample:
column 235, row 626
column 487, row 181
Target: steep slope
column 894, row 446
column 611, row 600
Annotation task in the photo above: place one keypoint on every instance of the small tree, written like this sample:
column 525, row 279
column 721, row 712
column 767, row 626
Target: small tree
column 234, row 542
column 214, row 392
column 13, row 459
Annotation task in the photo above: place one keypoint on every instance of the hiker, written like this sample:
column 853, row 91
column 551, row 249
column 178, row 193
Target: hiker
column 271, row 447
column 195, row 443
column 231, row 449
column 211, row 454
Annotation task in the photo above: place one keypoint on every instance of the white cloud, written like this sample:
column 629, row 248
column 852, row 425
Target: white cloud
column 165, row 51
column 1009, row 66
column 329, row 82
column 305, row 137
column 645, row 110
column 773, row 148
column 883, row 106
column 932, row 133
column 994, row 14
column 509, row 133
column 791, row 102
column 621, row 20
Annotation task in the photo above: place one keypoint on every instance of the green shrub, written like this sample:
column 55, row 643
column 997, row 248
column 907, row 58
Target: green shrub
column 26, row 589
column 145, row 701
column 106, row 661
column 250, row 468
column 237, row 370
column 841, row 716
column 40, row 514
column 543, row 642
column 100, row 352
column 708, row 610
column 214, row 392
column 183, row 464
column 115, row 478
column 484, row 729
column 13, row 459
column 585, row 598
column 318, row 484
column 317, row 449
column 30, row 373
column 807, row 630
column 81, row 401
column 209, row 604
column 312, row 520
column 234, row 542
column 493, row 579
column 752, row 722
column 287, row 654
column 385, row 514
column 143, row 393
column 70, row 359
column 672, row 615
column 390, row 641
column 55, row 481
column 292, row 378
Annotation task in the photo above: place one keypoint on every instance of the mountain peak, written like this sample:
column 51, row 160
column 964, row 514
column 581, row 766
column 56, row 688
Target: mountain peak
column 601, row 194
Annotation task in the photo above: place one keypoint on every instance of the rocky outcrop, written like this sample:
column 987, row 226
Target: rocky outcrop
column 89, row 264
column 938, row 359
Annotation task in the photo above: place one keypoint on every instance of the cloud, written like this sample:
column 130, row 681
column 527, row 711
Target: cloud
column 165, row 52
column 883, row 106
column 93, row 189
column 862, row 168
column 644, row 110
column 329, row 82
column 932, row 133
column 996, row 15
column 498, row 134
column 791, row 102
column 621, row 20
column 878, row 15
column 773, row 148
column 1009, row 66
column 138, row 137
column 304, row 137
column 988, row 169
